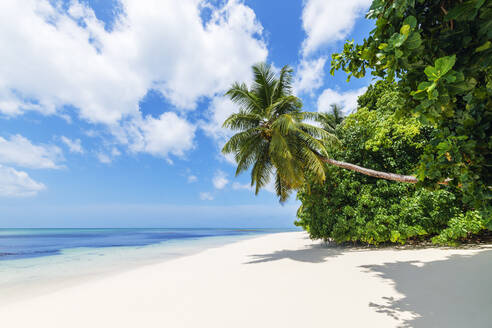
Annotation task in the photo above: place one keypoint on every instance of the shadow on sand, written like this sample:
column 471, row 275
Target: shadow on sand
column 316, row 253
column 456, row 292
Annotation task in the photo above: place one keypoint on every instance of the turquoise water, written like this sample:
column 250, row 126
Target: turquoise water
column 34, row 261
column 28, row 243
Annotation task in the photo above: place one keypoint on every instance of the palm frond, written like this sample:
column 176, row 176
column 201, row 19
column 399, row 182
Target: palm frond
column 313, row 163
column 242, row 121
column 264, row 81
column 336, row 113
column 261, row 172
column 284, row 105
column 279, row 146
column 283, row 86
column 281, row 188
column 247, row 101
column 235, row 143
column 249, row 153
column 319, row 133
column 284, row 124
column 311, row 142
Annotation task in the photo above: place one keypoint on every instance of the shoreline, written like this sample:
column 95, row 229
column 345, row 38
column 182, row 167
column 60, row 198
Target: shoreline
column 280, row 279
column 57, row 273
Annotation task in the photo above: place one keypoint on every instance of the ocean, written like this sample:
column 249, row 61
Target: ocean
column 29, row 243
column 34, row 261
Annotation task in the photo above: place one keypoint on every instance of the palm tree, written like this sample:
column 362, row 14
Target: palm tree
column 329, row 121
column 275, row 141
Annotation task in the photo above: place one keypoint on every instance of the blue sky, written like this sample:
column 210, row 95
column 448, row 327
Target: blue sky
column 111, row 111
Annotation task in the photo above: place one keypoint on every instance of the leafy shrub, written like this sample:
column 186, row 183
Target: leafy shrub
column 350, row 207
column 440, row 55
column 461, row 227
column 375, row 212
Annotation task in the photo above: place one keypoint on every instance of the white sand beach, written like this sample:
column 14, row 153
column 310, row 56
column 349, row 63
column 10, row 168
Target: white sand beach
column 277, row 280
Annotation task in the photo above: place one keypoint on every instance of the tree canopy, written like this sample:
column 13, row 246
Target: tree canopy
column 350, row 207
column 440, row 55
column 275, row 140
column 428, row 123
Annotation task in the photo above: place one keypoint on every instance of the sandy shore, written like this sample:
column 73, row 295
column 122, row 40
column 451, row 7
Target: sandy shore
column 278, row 280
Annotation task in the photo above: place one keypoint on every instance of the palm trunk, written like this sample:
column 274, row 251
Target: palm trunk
column 373, row 173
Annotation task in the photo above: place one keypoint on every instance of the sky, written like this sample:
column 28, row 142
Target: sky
column 111, row 110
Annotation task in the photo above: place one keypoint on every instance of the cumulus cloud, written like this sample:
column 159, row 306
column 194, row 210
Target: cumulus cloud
column 75, row 146
column 192, row 178
column 326, row 21
column 206, row 196
column 347, row 100
column 15, row 183
column 115, row 152
column 309, row 76
column 219, row 110
column 58, row 56
column 104, row 158
column 168, row 134
column 19, row 151
column 220, row 180
column 107, row 157
column 270, row 186
column 239, row 186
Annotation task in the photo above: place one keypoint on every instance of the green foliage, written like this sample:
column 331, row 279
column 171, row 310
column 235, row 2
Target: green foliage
column 329, row 121
column 460, row 227
column 440, row 54
column 349, row 207
column 373, row 213
column 272, row 136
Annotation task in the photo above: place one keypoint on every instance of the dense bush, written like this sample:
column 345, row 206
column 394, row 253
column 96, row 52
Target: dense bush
column 352, row 207
column 440, row 55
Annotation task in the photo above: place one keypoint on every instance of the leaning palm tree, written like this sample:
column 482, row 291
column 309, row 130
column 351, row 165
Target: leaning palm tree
column 274, row 139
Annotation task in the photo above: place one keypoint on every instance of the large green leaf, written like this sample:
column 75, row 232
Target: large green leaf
column 445, row 64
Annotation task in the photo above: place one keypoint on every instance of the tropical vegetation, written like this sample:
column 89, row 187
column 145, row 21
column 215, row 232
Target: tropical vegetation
column 273, row 138
column 421, row 136
column 440, row 54
column 350, row 207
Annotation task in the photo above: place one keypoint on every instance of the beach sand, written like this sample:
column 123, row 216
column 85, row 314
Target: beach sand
column 278, row 280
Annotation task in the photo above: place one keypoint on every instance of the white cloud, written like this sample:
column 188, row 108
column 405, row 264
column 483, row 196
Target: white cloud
column 75, row 146
column 104, row 158
column 309, row 75
column 206, row 196
column 219, row 110
column 168, row 134
column 19, row 151
column 192, row 178
column 91, row 133
column 270, row 186
column 107, row 156
column 220, row 180
column 15, row 183
column 327, row 21
column 239, row 186
column 115, row 152
column 58, row 57
column 346, row 99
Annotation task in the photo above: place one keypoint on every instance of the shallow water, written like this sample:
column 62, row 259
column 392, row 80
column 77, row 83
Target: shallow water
column 36, row 261
column 29, row 243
